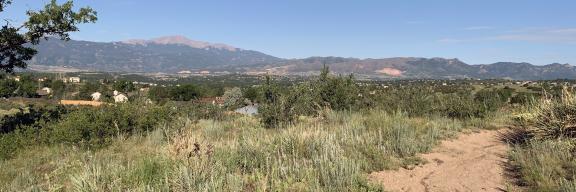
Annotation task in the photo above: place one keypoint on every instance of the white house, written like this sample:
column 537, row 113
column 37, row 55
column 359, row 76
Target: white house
column 96, row 96
column 119, row 97
column 71, row 80
column 44, row 91
column 47, row 89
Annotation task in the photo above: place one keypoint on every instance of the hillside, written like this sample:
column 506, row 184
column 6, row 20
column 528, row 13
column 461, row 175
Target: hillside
column 176, row 53
column 167, row 54
column 432, row 68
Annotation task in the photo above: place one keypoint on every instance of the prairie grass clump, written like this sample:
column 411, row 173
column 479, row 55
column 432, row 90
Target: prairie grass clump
column 552, row 118
column 545, row 165
column 543, row 158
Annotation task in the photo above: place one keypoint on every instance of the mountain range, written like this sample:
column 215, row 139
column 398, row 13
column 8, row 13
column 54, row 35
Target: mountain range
column 175, row 54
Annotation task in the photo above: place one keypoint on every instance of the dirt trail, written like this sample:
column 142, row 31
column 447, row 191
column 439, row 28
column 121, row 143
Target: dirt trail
column 472, row 162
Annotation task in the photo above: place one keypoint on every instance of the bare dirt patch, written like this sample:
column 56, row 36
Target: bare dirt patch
column 390, row 71
column 472, row 162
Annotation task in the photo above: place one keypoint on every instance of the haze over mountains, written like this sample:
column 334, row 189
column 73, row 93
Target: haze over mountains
column 174, row 54
column 166, row 54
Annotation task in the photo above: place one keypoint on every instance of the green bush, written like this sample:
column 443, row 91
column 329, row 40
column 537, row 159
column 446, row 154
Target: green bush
column 524, row 98
column 11, row 143
column 84, row 126
column 279, row 108
column 233, row 98
column 7, row 87
column 31, row 116
column 95, row 127
column 421, row 100
column 185, row 92
column 197, row 111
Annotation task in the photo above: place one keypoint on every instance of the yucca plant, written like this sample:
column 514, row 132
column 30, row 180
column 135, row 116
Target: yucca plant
column 551, row 118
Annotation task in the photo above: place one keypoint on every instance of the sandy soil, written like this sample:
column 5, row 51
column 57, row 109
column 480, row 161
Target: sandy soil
column 472, row 162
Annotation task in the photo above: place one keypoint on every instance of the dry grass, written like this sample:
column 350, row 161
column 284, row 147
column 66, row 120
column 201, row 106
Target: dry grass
column 330, row 154
column 543, row 156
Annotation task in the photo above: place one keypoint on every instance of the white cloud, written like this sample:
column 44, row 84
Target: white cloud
column 450, row 40
column 550, row 35
column 565, row 30
column 558, row 35
column 415, row 22
column 473, row 28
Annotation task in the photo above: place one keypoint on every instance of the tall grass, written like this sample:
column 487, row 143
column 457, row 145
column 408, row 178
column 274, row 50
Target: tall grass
column 545, row 165
column 333, row 153
column 543, row 158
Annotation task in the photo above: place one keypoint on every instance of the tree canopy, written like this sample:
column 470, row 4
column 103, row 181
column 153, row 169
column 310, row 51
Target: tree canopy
column 54, row 20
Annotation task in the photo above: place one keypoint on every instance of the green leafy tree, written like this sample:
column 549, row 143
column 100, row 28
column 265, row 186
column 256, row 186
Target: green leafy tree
column 27, row 86
column 58, row 87
column 338, row 93
column 7, row 87
column 251, row 93
column 158, row 94
column 87, row 89
column 124, row 86
column 185, row 92
column 54, row 19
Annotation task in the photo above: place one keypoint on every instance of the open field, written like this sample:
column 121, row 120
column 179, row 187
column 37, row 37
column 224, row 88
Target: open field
column 335, row 153
column 328, row 133
column 327, row 96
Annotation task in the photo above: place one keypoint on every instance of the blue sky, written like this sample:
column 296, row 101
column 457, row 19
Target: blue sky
column 477, row 32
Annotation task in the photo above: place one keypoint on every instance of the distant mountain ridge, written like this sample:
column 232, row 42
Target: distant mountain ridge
column 429, row 68
column 165, row 54
column 177, row 53
column 180, row 40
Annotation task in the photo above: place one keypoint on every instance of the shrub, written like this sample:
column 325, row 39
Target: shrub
column 123, row 86
column 7, row 87
column 233, row 98
column 95, row 127
column 84, row 126
column 524, row 98
column 492, row 99
column 543, row 157
column 31, row 116
column 196, row 111
column 337, row 93
column 159, row 94
column 11, row 143
column 551, row 118
column 86, row 90
column 309, row 98
column 275, row 110
column 185, row 92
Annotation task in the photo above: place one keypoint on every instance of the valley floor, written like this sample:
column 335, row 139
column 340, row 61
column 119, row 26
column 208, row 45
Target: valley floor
column 472, row 162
